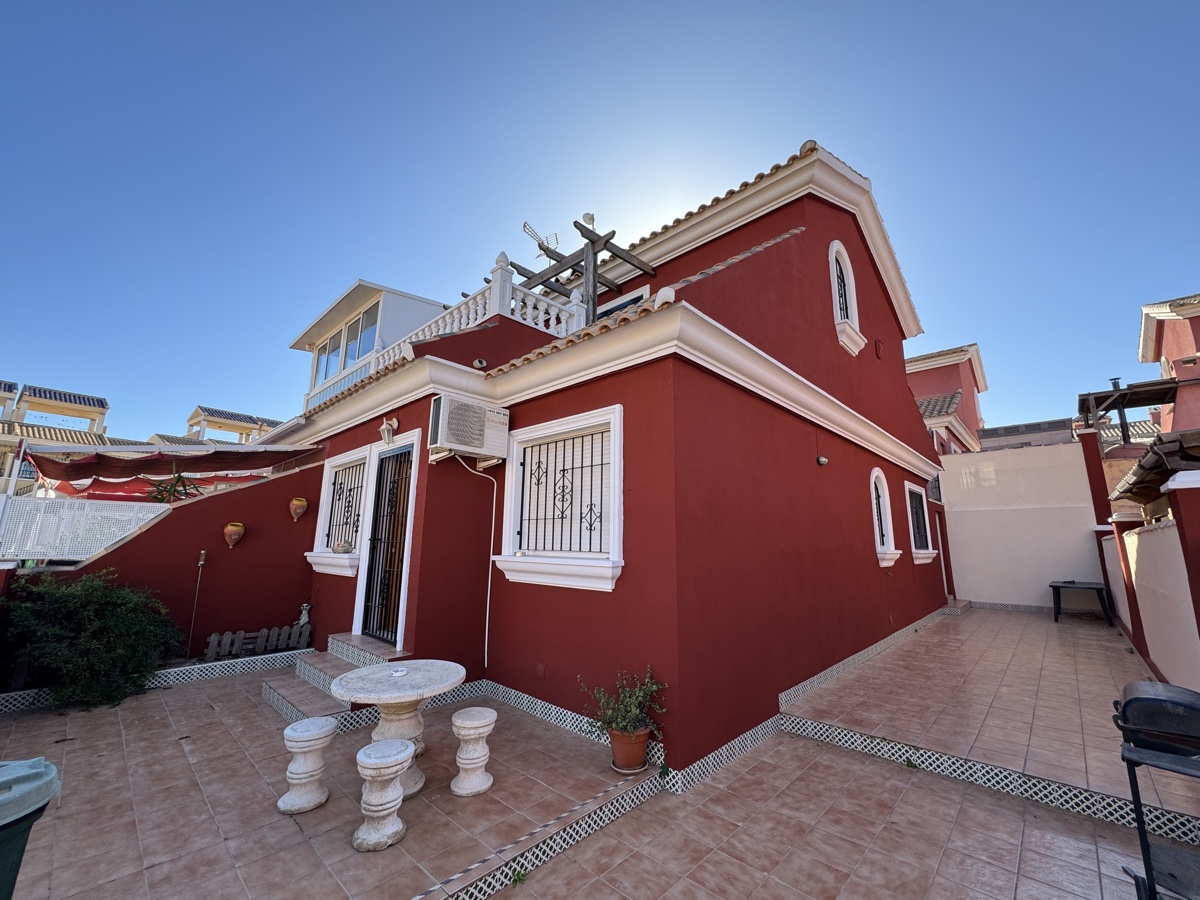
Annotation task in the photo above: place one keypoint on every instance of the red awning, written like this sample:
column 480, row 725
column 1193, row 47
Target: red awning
column 133, row 462
column 137, row 488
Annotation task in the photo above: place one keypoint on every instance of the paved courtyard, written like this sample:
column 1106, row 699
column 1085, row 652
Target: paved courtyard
column 1014, row 689
column 173, row 793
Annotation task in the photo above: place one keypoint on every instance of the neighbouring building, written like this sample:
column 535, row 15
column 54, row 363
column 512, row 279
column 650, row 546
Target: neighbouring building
column 20, row 411
column 242, row 427
column 946, row 385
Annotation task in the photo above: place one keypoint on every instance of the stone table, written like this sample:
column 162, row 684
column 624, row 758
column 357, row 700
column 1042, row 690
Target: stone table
column 397, row 689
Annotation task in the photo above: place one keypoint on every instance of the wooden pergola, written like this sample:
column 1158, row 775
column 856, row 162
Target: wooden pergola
column 582, row 263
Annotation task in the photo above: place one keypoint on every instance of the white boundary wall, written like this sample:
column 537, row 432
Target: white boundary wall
column 1164, row 602
column 1017, row 520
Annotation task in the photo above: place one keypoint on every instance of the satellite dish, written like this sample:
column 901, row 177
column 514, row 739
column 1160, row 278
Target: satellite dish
column 545, row 244
column 589, row 220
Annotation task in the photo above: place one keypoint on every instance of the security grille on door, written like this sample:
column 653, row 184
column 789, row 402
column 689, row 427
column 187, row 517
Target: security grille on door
column 565, row 486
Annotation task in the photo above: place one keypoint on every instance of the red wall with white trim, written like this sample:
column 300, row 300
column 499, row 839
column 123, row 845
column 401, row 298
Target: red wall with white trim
column 748, row 567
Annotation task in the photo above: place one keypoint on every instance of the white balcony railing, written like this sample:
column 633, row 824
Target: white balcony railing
column 44, row 528
column 500, row 297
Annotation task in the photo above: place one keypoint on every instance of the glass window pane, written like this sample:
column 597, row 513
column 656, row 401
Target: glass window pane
column 322, row 356
column 366, row 341
column 352, row 352
column 334, row 360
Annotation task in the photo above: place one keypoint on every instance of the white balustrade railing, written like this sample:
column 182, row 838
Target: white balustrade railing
column 500, row 297
column 46, row 528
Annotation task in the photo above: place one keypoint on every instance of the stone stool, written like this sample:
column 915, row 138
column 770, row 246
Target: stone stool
column 472, row 726
column 307, row 739
column 381, row 764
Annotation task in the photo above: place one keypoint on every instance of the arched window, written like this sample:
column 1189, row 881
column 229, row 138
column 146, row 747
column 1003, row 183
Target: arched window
column 845, row 301
column 881, row 518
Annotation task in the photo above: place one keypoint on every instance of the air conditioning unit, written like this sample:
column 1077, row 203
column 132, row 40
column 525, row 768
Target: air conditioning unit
column 467, row 427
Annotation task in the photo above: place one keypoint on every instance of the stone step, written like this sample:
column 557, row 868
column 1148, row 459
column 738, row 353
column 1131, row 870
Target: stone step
column 319, row 669
column 362, row 650
column 954, row 606
column 297, row 699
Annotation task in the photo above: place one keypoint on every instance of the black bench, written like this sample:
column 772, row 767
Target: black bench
column 1100, row 589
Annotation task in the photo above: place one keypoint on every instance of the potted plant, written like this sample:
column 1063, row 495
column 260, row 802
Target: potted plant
column 625, row 717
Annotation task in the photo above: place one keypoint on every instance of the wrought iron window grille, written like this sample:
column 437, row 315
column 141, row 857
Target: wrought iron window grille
column 564, row 494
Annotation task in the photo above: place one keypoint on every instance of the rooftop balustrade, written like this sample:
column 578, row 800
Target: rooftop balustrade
column 499, row 297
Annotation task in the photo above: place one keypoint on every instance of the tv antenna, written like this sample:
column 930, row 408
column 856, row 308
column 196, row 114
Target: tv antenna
column 546, row 245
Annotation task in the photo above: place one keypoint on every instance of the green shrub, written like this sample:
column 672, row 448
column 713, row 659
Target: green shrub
column 90, row 641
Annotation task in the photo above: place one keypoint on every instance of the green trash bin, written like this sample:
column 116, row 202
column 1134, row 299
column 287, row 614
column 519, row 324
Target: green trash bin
column 26, row 788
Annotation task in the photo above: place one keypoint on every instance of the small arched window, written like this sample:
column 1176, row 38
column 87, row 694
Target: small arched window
column 881, row 518
column 845, row 301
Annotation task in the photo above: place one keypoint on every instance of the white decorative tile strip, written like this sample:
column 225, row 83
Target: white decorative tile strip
column 677, row 782
column 1037, row 607
column 37, row 699
column 1176, row 826
column 280, row 704
column 624, row 798
column 353, row 654
column 19, row 700
column 313, row 675
column 804, row 688
column 357, row 718
column 240, row 666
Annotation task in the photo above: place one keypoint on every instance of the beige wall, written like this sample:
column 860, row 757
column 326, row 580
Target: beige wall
column 1017, row 520
column 1164, row 602
column 1116, row 579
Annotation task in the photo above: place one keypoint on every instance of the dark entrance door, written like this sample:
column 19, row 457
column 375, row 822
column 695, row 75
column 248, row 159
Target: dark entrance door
column 385, row 559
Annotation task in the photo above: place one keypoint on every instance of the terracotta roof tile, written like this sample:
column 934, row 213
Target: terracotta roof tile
column 946, row 404
column 214, row 413
column 41, row 393
column 50, row 434
column 806, row 150
column 8, row 387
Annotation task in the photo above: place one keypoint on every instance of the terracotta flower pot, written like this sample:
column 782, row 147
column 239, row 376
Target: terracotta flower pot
column 629, row 750
column 297, row 506
column 233, row 533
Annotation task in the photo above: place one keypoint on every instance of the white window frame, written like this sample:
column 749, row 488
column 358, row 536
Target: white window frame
column 886, row 550
column 343, row 334
column 848, row 332
column 920, row 557
column 592, row 572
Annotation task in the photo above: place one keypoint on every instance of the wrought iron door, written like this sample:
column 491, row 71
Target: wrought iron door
column 385, row 558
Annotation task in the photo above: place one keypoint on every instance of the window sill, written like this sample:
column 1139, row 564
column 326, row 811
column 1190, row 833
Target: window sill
column 850, row 338
column 578, row 572
column 921, row 557
column 887, row 558
column 329, row 563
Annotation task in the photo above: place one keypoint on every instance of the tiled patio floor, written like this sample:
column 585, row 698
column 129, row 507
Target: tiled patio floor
column 800, row 819
column 1013, row 689
column 172, row 794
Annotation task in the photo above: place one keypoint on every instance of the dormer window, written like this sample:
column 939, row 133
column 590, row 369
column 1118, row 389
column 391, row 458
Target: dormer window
column 346, row 347
column 845, row 302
